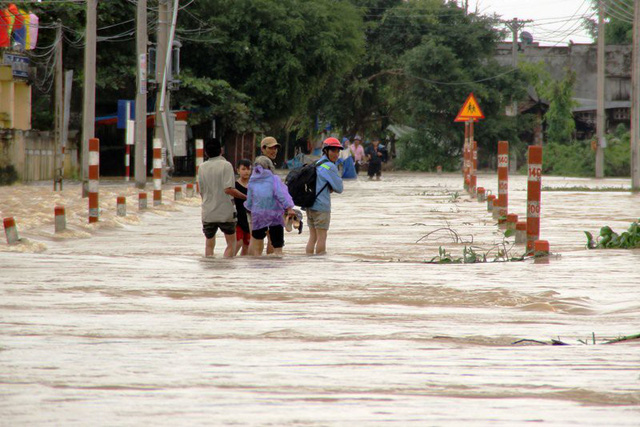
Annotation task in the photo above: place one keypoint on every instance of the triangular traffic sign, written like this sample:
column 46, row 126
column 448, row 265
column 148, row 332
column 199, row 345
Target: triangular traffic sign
column 470, row 110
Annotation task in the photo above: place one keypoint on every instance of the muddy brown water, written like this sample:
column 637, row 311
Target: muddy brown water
column 125, row 323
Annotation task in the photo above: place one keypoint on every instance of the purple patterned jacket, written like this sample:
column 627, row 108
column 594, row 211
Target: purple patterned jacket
column 267, row 199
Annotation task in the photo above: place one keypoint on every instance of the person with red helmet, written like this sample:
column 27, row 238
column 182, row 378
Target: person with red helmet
column 328, row 181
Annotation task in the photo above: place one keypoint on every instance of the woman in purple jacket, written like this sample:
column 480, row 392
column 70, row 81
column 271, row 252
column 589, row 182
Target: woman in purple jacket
column 267, row 200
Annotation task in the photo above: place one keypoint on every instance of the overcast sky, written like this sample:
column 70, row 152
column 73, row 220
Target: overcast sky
column 555, row 21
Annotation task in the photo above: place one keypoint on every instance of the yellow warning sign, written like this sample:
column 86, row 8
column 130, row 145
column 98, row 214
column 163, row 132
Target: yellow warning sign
column 470, row 110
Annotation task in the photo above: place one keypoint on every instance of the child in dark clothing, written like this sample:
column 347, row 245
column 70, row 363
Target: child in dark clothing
column 243, row 232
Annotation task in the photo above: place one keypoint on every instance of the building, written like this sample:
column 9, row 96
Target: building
column 582, row 59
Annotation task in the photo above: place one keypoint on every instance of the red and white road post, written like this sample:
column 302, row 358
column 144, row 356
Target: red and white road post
column 473, row 179
column 142, row 201
column 94, row 177
column 157, row 171
column 129, row 140
column 503, row 181
column 481, row 194
column 59, row 219
column 121, row 206
column 199, row 159
column 534, row 190
column 177, row 192
column 11, row 231
column 491, row 199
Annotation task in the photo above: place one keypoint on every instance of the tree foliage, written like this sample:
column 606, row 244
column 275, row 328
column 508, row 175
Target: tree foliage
column 440, row 72
column 280, row 53
column 559, row 117
column 278, row 65
column 618, row 29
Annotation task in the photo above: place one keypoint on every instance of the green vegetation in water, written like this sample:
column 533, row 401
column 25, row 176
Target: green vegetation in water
column 473, row 254
column 609, row 239
column 586, row 341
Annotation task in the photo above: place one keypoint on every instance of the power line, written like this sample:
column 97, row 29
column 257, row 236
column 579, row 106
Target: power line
column 436, row 82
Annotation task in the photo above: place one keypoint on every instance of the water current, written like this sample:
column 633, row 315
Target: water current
column 126, row 323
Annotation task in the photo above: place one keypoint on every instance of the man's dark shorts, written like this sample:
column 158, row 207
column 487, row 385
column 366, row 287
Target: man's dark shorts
column 276, row 235
column 210, row 228
column 374, row 169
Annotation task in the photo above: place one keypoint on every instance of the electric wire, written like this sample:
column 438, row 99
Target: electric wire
column 436, row 82
column 617, row 12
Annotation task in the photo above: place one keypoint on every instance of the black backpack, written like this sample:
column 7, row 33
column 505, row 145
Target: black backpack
column 301, row 183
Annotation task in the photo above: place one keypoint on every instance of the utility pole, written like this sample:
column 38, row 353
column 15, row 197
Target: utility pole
column 514, row 25
column 59, row 109
column 141, row 95
column 164, row 94
column 162, row 40
column 89, row 98
column 635, row 100
column 600, row 113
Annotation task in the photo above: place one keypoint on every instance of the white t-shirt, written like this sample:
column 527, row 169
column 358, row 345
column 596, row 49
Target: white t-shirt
column 214, row 176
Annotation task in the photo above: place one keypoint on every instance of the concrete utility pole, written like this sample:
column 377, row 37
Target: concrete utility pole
column 635, row 99
column 141, row 95
column 89, row 98
column 164, row 106
column 162, row 34
column 514, row 25
column 59, row 110
column 600, row 113
column 162, row 98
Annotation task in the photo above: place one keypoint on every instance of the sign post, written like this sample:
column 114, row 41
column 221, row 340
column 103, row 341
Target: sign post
column 469, row 113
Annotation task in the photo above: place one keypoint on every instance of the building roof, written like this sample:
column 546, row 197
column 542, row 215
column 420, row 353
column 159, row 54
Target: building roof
column 592, row 105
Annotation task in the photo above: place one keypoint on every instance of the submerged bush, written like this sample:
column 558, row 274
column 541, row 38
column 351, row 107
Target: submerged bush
column 617, row 155
column 576, row 159
column 579, row 159
column 8, row 175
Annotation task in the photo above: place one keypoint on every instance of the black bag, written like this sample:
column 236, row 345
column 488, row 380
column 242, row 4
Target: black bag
column 301, row 183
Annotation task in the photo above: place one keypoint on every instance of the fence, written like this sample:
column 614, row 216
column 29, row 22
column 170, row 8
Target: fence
column 32, row 155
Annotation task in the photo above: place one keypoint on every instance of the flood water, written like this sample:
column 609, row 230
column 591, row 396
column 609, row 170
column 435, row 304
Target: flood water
column 125, row 322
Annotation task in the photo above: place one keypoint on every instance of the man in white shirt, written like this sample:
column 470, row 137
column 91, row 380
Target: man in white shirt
column 216, row 181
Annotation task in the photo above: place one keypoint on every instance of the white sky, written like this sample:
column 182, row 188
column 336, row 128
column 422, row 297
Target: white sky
column 555, row 21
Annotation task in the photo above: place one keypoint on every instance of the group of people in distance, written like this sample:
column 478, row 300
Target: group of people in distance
column 374, row 155
column 258, row 205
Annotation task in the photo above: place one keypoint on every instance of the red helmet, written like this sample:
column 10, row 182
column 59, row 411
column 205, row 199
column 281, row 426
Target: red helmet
column 332, row 143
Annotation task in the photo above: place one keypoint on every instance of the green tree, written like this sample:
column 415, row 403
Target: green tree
column 280, row 53
column 618, row 28
column 439, row 74
column 559, row 117
column 115, row 68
